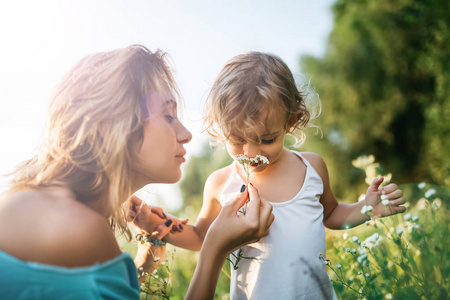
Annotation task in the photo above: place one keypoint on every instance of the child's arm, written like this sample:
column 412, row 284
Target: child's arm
column 192, row 236
column 342, row 215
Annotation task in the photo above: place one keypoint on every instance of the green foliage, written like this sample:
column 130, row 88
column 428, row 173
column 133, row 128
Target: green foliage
column 400, row 257
column 384, row 83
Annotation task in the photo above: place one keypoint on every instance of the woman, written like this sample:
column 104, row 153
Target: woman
column 112, row 128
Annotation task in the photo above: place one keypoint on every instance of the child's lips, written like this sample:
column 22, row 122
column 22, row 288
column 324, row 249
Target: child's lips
column 254, row 165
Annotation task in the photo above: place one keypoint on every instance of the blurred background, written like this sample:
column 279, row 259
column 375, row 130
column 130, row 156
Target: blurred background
column 381, row 69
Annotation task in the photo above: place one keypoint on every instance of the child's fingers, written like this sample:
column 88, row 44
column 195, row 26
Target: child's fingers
column 395, row 194
column 397, row 202
column 135, row 201
column 389, row 188
column 131, row 215
column 398, row 209
column 158, row 210
column 184, row 221
column 374, row 186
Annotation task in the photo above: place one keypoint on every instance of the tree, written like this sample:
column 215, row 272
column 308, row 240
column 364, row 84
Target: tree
column 384, row 83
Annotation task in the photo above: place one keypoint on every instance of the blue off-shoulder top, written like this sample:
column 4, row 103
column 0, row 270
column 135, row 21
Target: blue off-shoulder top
column 114, row 279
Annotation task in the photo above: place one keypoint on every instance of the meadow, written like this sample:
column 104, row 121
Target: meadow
column 404, row 256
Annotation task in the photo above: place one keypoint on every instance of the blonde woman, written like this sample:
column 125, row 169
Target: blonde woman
column 112, row 128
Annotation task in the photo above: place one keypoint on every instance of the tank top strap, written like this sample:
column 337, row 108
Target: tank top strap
column 231, row 187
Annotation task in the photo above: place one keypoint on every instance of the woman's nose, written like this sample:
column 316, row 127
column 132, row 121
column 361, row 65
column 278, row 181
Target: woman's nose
column 184, row 136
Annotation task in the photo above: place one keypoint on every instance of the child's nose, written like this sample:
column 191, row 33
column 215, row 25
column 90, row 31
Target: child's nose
column 251, row 150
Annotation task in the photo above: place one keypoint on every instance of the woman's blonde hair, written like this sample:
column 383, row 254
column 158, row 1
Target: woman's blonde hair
column 248, row 84
column 95, row 128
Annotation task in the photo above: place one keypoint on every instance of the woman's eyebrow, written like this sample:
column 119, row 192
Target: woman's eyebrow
column 170, row 102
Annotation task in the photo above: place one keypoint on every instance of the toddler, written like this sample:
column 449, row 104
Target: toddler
column 253, row 104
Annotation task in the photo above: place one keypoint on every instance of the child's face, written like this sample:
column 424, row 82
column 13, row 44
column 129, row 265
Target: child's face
column 267, row 139
column 162, row 151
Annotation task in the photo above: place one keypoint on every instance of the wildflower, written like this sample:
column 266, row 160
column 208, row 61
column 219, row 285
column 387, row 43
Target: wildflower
column 155, row 271
column 156, row 276
column 347, row 249
column 141, row 269
column 367, row 274
column 338, row 266
column 345, row 235
column 366, row 209
column 355, row 238
column 407, row 216
column 359, row 273
column 384, row 197
column 421, row 185
column 430, row 193
column 157, row 259
column 388, row 296
column 353, row 250
column 363, row 161
column 415, row 218
column 372, row 240
column 416, row 226
column 325, row 262
column 399, row 231
column 437, row 203
column 320, row 255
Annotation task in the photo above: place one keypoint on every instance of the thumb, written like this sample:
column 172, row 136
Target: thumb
column 162, row 230
column 375, row 184
column 240, row 199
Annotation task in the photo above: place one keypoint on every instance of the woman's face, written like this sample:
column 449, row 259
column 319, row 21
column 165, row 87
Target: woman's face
column 162, row 152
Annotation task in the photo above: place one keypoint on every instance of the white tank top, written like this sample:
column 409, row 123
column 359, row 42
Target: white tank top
column 288, row 264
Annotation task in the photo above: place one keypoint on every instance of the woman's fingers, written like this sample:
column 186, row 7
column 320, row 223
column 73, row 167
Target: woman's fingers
column 238, row 202
column 162, row 230
column 254, row 205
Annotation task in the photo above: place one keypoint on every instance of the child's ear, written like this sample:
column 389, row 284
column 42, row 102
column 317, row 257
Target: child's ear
column 294, row 118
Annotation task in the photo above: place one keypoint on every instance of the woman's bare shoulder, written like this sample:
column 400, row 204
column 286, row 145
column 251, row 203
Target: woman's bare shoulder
column 51, row 227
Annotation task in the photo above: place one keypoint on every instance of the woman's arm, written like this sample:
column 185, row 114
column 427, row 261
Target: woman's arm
column 342, row 215
column 227, row 233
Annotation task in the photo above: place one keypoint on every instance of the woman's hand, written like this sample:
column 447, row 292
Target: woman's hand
column 231, row 231
column 393, row 194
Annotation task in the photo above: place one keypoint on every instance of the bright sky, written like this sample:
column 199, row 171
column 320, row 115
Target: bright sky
column 42, row 39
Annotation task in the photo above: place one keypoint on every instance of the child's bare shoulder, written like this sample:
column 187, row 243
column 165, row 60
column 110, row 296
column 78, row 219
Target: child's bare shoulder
column 316, row 162
column 216, row 180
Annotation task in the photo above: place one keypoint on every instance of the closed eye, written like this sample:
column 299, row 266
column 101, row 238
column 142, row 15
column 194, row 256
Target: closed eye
column 271, row 141
column 169, row 118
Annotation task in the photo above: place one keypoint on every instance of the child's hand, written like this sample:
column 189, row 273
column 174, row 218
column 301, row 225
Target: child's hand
column 143, row 216
column 147, row 217
column 393, row 194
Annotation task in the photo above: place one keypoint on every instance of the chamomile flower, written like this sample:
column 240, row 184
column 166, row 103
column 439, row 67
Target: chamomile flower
column 430, row 193
column 407, row 216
